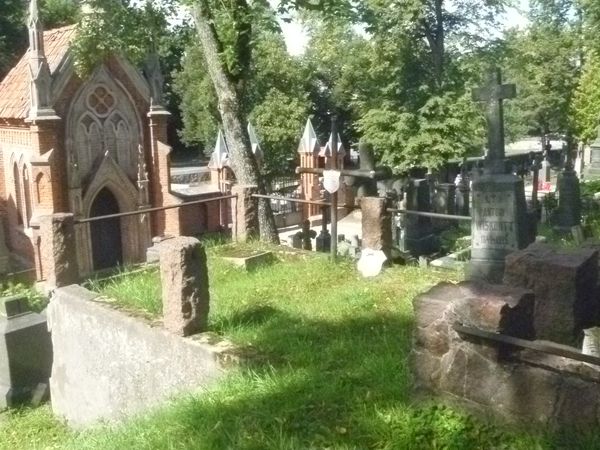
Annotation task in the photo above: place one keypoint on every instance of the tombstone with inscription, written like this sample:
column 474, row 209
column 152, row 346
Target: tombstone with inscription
column 499, row 209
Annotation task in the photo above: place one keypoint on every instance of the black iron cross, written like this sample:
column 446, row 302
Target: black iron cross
column 493, row 94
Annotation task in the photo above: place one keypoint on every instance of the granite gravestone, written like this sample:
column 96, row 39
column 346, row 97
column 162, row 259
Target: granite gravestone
column 25, row 351
column 568, row 214
column 499, row 224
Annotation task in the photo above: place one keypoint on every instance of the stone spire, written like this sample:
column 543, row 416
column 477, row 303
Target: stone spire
column 38, row 69
column 309, row 142
column 255, row 144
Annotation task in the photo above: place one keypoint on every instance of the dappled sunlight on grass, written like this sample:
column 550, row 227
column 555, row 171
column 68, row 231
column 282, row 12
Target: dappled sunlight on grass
column 329, row 369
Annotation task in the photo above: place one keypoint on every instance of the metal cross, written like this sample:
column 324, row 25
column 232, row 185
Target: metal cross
column 493, row 94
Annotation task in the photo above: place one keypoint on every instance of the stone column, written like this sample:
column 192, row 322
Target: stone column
column 164, row 222
column 184, row 280
column 58, row 265
column 376, row 224
column 245, row 214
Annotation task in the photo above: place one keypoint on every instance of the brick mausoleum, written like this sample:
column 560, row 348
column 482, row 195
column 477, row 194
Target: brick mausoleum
column 93, row 146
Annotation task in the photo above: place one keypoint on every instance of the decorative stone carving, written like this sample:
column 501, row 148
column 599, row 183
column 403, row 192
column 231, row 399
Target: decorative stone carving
column 102, row 118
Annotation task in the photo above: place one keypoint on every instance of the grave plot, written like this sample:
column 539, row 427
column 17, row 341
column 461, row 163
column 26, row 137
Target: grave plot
column 513, row 350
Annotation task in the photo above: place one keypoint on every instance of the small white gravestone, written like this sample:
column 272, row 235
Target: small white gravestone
column 331, row 180
column 591, row 341
column 371, row 262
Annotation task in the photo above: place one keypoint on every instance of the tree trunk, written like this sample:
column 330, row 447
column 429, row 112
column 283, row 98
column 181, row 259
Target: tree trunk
column 242, row 160
column 435, row 34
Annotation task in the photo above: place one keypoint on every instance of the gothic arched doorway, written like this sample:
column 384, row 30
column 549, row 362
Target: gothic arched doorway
column 105, row 234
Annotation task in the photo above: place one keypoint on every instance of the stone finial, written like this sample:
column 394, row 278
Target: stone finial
column 340, row 150
column 309, row 142
column 220, row 156
column 39, row 70
column 255, row 144
column 155, row 78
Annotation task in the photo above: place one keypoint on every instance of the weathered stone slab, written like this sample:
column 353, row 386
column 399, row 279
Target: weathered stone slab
column 25, row 351
column 108, row 365
column 184, row 281
column 251, row 261
column 564, row 283
column 514, row 386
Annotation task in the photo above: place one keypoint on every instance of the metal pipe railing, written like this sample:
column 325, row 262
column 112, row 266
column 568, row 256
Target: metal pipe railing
column 430, row 214
column 149, row 210
column 290, row 199
column 542, row 347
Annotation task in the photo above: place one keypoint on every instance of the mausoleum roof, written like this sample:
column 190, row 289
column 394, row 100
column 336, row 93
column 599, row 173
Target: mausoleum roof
column 14, row 89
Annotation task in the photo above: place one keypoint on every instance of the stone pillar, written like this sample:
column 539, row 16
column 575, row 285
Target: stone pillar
column 184, row 280
column 58, row 251
column 445, row 203
column 376, row 224
column 463, row 198
column 569, row 201
column 245, row 214
column 417, row 231
column 545, row 171
column 164, row 222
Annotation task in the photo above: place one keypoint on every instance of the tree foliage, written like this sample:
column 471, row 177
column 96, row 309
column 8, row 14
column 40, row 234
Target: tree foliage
column 13, row 25
column 274, row 99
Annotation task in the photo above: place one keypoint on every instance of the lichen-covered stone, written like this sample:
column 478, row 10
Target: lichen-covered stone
column 184, row 279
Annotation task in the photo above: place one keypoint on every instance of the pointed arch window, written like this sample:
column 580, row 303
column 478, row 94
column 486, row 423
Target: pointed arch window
column 18, row 196
column 26, row 196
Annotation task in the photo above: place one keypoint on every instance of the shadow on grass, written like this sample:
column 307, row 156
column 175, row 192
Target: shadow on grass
column 321, row 384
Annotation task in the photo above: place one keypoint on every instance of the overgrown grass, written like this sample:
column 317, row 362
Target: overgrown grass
column 139, row 291
column 332, row 372
column 35, row 299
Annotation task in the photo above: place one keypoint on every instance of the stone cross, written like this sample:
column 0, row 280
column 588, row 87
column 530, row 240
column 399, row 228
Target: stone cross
column 493, row 94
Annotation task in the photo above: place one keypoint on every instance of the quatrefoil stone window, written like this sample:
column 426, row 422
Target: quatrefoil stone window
column 101, row 101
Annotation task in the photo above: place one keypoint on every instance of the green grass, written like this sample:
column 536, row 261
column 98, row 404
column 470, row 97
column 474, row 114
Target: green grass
column 331, row 371
column 137, row 292
column 35, row 299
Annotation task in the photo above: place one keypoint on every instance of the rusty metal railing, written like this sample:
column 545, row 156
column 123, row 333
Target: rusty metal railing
column 430, row 214
column 149, row 210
